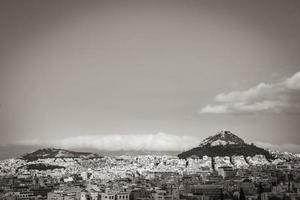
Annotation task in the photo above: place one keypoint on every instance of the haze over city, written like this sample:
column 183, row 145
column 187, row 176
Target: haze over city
column 148, row 75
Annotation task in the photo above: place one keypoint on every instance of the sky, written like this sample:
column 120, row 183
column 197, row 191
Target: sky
column 149, row 75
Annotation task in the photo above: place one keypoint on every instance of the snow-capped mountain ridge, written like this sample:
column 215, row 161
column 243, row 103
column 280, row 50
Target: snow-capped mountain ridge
column 223, row 137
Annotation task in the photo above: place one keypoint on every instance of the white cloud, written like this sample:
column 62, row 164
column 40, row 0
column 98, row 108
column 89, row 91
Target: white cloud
column 283, row 96
column 294, row 82
column 294, row 148
column 139, row 142
column 148, row 142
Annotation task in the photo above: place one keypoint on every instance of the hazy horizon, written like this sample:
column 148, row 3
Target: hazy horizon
column 148, row 75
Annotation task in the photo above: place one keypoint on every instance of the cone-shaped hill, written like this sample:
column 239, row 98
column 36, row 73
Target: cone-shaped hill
column 223, row 144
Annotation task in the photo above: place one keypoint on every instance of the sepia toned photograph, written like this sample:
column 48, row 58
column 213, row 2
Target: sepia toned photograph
column 149, row 100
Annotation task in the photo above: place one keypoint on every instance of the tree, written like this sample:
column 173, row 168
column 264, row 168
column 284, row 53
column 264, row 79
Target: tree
column 222, row 197
column 242, row 194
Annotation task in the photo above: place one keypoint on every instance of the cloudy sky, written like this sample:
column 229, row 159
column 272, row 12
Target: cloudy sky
column 153, row 75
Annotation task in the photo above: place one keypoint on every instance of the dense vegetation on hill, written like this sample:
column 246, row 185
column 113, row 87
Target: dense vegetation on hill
column 56, row 153
column 41, row 167
column 226, row 150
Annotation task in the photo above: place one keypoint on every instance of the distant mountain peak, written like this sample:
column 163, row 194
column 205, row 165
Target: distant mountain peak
column 223, row 137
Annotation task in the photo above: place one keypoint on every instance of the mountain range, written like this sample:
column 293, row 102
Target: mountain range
column 222, row 144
